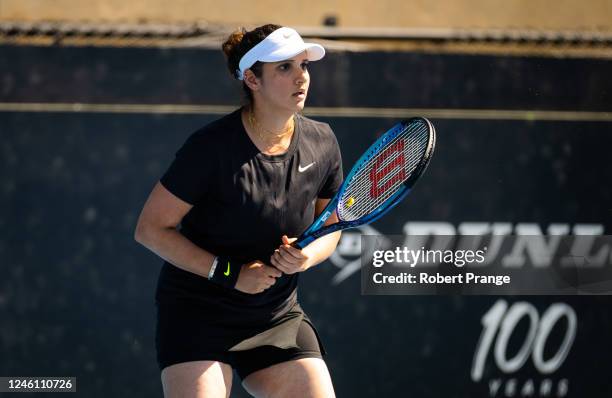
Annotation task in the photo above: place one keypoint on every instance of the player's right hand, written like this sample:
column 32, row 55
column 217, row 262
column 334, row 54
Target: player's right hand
column 255, row 277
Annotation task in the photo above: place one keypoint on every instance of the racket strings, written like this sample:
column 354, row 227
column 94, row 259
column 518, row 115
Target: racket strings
column 379, row 177
column 367, row 197
column 369, row 193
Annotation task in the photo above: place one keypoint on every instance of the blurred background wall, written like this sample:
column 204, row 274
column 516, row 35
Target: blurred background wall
column 541, row 14
column 96, row 97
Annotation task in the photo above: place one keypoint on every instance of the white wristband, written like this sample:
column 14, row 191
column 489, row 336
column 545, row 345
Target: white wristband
column 212, row 268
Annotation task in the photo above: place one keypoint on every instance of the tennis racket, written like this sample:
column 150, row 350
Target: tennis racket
column 380, row 179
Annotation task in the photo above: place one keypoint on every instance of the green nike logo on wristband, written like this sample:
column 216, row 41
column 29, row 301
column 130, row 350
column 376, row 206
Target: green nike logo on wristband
column 226, row 273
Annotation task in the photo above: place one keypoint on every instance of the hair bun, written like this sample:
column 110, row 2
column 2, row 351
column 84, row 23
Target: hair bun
column 233, row 41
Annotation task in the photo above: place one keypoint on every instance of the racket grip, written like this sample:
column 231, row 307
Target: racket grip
column 303, row 242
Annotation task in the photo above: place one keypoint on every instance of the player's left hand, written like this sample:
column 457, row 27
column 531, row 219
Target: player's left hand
column 289, row 259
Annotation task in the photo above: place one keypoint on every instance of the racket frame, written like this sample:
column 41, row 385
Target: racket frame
column 317, row 228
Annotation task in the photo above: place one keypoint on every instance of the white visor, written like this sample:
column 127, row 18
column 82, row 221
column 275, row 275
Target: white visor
column 279, row 45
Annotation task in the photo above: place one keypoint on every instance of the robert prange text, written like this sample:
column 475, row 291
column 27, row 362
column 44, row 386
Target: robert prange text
column 437, row 278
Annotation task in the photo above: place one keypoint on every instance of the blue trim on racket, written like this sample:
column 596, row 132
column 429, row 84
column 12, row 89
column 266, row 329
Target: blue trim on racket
column 317, row 228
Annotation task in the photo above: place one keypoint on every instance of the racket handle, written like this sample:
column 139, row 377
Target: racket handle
column 307, row 238
column 303, row 242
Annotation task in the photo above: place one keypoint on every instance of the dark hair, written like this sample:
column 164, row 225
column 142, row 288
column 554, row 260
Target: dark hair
column 239, row 43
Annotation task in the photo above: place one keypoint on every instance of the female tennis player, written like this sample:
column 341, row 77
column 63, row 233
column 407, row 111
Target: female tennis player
column 242, row 188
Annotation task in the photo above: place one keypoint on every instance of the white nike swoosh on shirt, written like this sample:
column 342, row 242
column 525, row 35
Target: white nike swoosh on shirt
column 302, row 169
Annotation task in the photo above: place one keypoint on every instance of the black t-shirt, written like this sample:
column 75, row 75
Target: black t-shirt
column 244, row 201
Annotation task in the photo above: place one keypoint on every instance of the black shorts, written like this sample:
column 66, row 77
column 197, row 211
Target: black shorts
column 184, row 333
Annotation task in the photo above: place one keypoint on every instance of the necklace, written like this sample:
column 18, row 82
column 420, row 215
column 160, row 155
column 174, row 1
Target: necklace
column 265, row 135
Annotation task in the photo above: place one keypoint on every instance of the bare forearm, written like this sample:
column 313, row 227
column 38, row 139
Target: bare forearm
column 173, row 247
column 319, row 250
